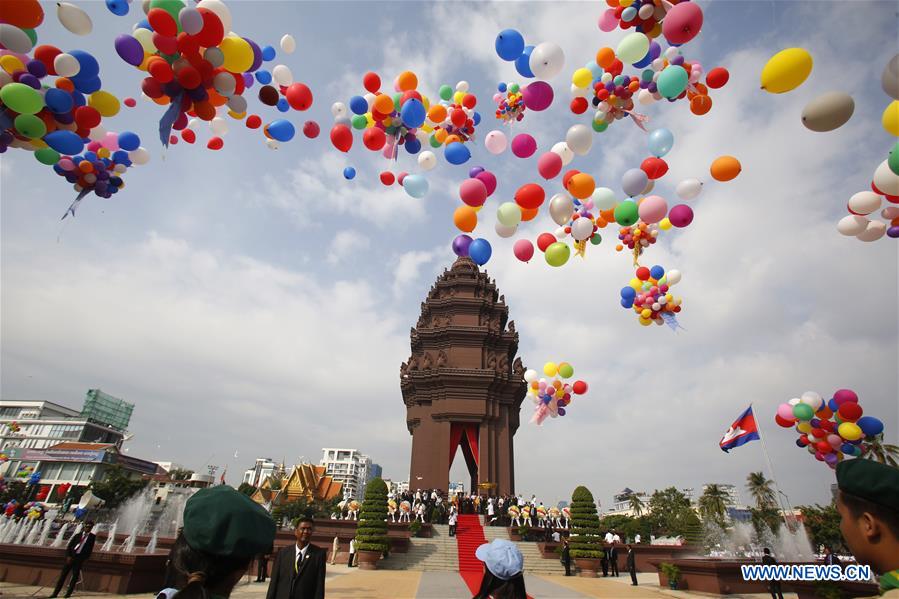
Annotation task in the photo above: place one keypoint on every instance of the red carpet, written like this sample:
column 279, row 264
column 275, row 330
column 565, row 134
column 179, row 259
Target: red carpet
column 470, row 536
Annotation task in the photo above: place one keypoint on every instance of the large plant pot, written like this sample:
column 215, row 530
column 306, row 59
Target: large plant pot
column 587, row 566
column 368, row 560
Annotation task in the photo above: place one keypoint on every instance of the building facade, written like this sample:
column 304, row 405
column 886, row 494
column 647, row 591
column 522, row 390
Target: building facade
column 262, row 469
column 349, row 467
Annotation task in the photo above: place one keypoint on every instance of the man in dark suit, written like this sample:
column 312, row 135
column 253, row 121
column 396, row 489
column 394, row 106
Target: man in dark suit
column 773, row 585
column 299, row 570
column 566, row 556
column 78, row 551
column 613, row 558
column 632, row 565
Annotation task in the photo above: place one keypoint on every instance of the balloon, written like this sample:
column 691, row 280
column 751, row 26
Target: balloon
column 473, row 192
column 828, row 112
column 688, row 189
column 874, row 230
column 465, row 218
column 524, row 145
column 652, row 209
column 890, row 119
column 785, row 411
column 802, row 411
column 281, row 130
column 870, row 426
column 581, row 229
column 342, row 138
column 786, row 70
column 717, row 78
column 508, row 214
column 129, row 49
column 547, row 60
column 672, row 81
column 604, row 198
column 504, row 231
column 21, row 98
column 480, row 251
column 632, row 48
column 523, row 63
column 288, row 44
column 495, row 142
column 73, row 18
column 549, row 165
column 556, row 255
column 560, row 208
column 524, row 251
column 889, row 79
column 509, row 44
column 564, row 152
column 413, row 113
column 530, row 196
column 311, row 129
column 725, row 168
column 627, row 213
column 581, row 186
column 885, row 180
column 281, row 74
column 850, row 431
column 64, row 142
column 456, row 153
column 864, row 202
column 105, row 103
column 634, row 181
column 461, row 244
column 579, row 139
column 655, row 168
column 299, row 96
column 349, row 173
column 537, row 96
column 681, row 215
column 682, row 23
column 416, row 185
column 660, row 142
column 66, row 65
column 893, row 160
column 14, row 39
column 852, row 225
column 427, row 160
column 850, row 411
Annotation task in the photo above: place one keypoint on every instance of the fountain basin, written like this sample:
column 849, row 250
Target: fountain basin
column 644, row 555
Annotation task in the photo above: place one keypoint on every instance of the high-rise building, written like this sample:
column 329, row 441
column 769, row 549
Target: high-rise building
column 375, row 471
column 349, row 467
column 263, row 468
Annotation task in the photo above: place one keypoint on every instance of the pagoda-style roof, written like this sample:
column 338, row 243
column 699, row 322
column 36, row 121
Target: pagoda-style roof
column 305, row 481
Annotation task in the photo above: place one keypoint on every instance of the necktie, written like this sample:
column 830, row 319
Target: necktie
column 296, row 566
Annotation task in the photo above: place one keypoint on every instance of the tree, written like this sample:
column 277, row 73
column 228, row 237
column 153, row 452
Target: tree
column 761, row 490
column 247, row 489
column 823, row 525
column 180, row 474
column 713, row 505
column 767, row 517
column 885, row 453
column 626, row 526
column 116, row 486
column 670, row 513
column 585, row 539
column 636, row 505
column 371, row 533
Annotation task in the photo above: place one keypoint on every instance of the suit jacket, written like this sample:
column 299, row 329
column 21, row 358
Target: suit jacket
column 832, row 560
column 85, row 551
column 309, row 583
column 631, row 560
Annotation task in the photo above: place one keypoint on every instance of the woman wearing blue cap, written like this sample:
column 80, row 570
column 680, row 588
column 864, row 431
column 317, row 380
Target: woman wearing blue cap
column 503, row 577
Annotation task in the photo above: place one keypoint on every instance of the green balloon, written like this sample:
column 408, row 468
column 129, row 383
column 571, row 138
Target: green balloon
column 359, row 121
column 173, row 7
column 672, row 81
column 803, row 411
column 47, row 156
column 446, row 92
column 21, row 98
column 433, row 141
column 514, row 88
column 557, row 254
column 600, row 126
column 397, row 97
column 30, row 126
column 596, row 239
column 626, row 213
column 893, row 160
column 32, row 35
column 566, row 371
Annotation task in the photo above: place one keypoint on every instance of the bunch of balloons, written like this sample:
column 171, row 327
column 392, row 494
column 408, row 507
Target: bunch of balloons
column 509, row 103
column 830, row 430
column 543, row 61
column 454, row 120
column 649, row 295
column 551, row 397
column 13, row 427
column 637, row 238
column 479, row 250
column 474, row 192
column 34, row 510
column 678, row 20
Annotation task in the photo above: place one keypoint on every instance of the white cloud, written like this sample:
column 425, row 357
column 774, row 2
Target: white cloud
column 345, row 244
column 408, row 268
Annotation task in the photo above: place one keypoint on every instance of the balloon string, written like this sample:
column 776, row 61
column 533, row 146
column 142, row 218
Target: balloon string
column 637, row 251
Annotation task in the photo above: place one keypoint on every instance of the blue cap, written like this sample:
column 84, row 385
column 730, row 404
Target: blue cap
column 501, row 557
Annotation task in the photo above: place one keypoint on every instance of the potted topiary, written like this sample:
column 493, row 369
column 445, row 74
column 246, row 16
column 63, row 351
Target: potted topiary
column 672, row 573
column 585, row 540
column 371, row 533
column 414, row 528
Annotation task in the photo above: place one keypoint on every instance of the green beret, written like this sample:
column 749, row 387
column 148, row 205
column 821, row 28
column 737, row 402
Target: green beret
column 867, row 479
column 221, row 521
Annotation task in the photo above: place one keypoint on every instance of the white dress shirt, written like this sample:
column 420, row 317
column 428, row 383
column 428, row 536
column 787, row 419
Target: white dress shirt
column 300, row 556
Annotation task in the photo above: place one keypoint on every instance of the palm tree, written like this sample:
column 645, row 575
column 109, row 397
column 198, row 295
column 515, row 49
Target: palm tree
column 713, row 504
column 761, row 489
column 636, row 505
column 885, row 453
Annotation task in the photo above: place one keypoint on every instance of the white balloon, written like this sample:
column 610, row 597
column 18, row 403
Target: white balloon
column 5, row 78
column 73, row 18
column 282, row 75
column 219, row 126
column 606, row 77
column 886, row 180
column 645, row 98
column 272, row 144
column 672, row 52
column 812, row 399
column 338, row 109
column 604, row 198
column 649, row 187
column 238, row 104
column 462, row 86
column 15, row 39
column 865, row 202
column 688, row 189
column 120, row 168
column 288, row 44
column 657, row 65
column 224, row 84
column 369, row 98
column 220, row 10
column 427, row 160
column 547, row 60
column 560, row 233
column 496, row 142
column 145, row 37
column 98, row 133
column 90, row 178
column 564, row 152
column 581, row 229
column 530, row 375
column 504, row 231
column 579, row 138
column 560, row 208
column 139, row 156
column 851, row 225
column 794, row 401
column 66, row 65
column 890, row 212
column 580, row 92
column 874, row 231
column 673, row 277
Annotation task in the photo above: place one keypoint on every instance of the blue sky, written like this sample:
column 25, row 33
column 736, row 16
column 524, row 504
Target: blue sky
column 254, row 301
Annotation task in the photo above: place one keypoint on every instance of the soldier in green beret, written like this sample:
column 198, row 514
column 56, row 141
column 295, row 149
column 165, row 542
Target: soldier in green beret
column 868, row 503
column 223, row 530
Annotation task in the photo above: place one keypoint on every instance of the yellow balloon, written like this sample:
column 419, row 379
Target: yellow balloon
column 143, row 65
column 11, row 64
column 582, row 78
column 636, row 283
column 145, row 37
column 238, row 54
column 550, row 369
column 645, row 322
column 369, row 121
column 38, row 143
column 850, row 431
column 786, row 70
column 891, row 118
column 646, row 313
column 804, row 427
column 237, row 115
column 625, row 3
column 105, row 103
column 665, row 224
column 103, row 152
column 457, row 97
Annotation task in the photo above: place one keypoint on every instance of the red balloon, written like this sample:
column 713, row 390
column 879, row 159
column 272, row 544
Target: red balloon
column 828, row 425
column 469, row 101
column 567, row 177
column 682, row 23
column 458, row 117
column 47, row 54
column 549, row 165
column 579, row 105
column 579, row 387
column 530, row 196
column 151, row 87
column 164, row 43
column 299, row 96
column 717, row 77
column 161, row 71
column 173, row 140
column 411, row 93
column 188, row 135
column 213, row 32
column 374, row 138
column 188, row 77
column 162, row 22
column 823, row 447
column 544, row 240
column 371, row 82
column 783, row 421
column 401, row 176
column 850, row 411
column 473, row 192
column 129, row 102
column 342, row 137
column 188, row 46
column 489, row 181
column 311, row 129
column 387, row 178
column 87, row 117
column 215, row 143
column 253, row 121
column 655, row 168
column 643, row 273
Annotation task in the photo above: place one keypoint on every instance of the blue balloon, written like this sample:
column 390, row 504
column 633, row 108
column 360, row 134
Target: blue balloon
column 282, row 105
column 456, row 153
column 358, row 105
column 628, row 293
column 509, row 44
column 656, row 272
column 413, row 113
column 476, row 119
column 263, row 77
column 129, row 141
column 281, row 130
column 848, row 448
column 660, row 142
column 416, row 185
column 523, row 63
column 89, row 65
column 594, row 69
column 87, row 86
column 143, row 24
column 118, row 7
column 870, row 425
column 120, row 156
column 64, row 142
column 502, row 87
column 412, row 145
column 58, row 100
column 349, row 173
column 832, row 404
column 627, row 303
column 268, row 53
column 480, row 251
column 561, row 411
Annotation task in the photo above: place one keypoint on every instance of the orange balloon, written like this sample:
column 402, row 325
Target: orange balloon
column 605, row 57
column 700, row 105
column 24, row 14
column 608, row 215
column 205, row 110
column 407, row 81
column 452, row 138
column 163, row 101
column 215, row 98
column 465, row 218
column 66, row 84
column 529, row 213
column 383, row 104
column 581, row 186
column 725, row 168
column 437, row 113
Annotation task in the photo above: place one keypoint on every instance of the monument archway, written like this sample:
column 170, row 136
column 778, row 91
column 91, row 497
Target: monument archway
column 463, row 385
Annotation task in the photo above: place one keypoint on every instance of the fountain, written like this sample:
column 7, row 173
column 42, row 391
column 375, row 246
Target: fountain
column 128, row 545
column 45, row 533
column 33, row 533
column 24, row 528
column 60, row 536
column 110, row 537
column 151, row 546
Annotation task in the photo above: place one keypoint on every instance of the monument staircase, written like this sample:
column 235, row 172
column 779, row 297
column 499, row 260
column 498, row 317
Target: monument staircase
column 534, row 563
column 470, row 536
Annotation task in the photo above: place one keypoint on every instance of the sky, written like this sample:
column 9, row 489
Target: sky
column 254, row 303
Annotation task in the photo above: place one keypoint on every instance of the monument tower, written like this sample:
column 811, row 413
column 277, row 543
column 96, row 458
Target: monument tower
column 463, row 385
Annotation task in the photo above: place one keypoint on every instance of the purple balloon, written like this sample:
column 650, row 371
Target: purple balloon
column 538, row 95
column 475, row 171
column 37, row 68
column 460, row 245
column 257, row 55
column 248, row 80
column 893, row 232
column 129, row 49
column 681, row 215
column 524, row 145
column 26, row 78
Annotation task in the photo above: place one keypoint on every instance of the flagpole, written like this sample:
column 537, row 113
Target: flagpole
column 758, row 429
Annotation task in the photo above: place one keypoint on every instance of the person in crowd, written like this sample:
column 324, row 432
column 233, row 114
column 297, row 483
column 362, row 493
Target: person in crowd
column 223, row 530
column 637, row 538
column 503, row 565
column 335, row 548
column 868, row 503
column 829, row 558
column 173, row 578
column 773, row 585
column 566, row 556
column 491, row 512
column 604, row 562
column 352, row 557
column 262, row 564
column 632, row 564
column 556, row 537
column 299, row 570
column 453, row 518
column 78, row 551
column 613, row 558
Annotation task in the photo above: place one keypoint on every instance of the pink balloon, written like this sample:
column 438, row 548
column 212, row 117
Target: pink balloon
column 682, row 23
column 524, row 250
column 111, row 141
column 844, row 395
column 681, row 215
column 652, row 209
column 549, row 165
column 785, row 411
column 94, row 146
column 401, row 176
column 489, row 181
column 66, row 164
column 608, row 22
column 473, row 192
column 537, row 95
column 524, row 145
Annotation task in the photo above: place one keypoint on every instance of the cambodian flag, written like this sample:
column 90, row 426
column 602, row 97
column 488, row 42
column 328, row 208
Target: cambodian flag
column 743, row 430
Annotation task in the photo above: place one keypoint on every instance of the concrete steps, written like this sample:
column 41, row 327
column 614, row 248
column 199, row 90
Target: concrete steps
column 534, row 563
column 439, row 553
